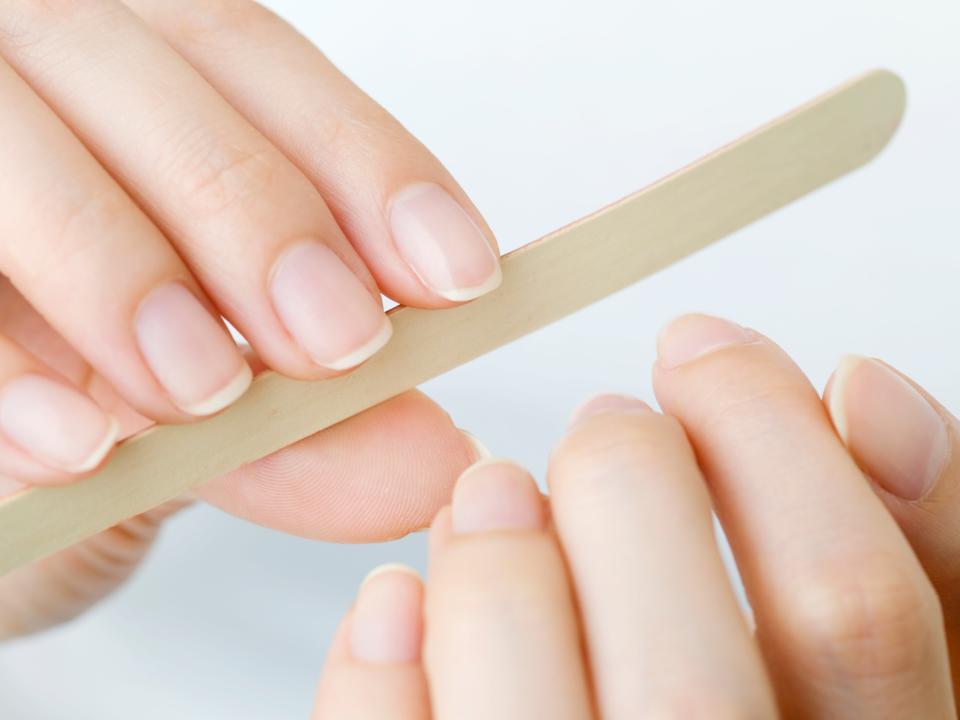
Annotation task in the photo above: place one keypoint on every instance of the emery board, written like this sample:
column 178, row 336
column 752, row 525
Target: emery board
column 542, row 282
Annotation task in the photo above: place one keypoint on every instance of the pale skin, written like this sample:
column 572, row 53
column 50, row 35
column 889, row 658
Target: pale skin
column 205, row 163
column 167, row 180
column 608, row 599
column 208, row 163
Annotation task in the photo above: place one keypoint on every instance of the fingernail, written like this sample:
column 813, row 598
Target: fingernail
column 606, row 404
column 442, row 244
column 480, row 451
column 387, row 624
column 389, row 568
column 325, row 307
column 692, row 336
column 496, row 495
column 190, row 353
column 55, row 424
column 898, row 437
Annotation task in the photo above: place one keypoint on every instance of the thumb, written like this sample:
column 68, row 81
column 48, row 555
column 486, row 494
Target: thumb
column 375, row 476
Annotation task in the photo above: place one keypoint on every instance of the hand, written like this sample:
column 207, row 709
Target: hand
column 209, row 161
column 611, row 599
column 373, row 477
column 169, row 162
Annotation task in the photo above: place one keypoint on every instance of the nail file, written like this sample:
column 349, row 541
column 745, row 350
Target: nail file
column 542, row 282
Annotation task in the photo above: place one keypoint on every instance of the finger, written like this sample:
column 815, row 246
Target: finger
column 441, row 530
column 502, row 636
column 254, row 231
column 373, row 670
column 50, row 430
column 417, row 231
column 376, row 476
column 663, row 630
column 848, row 622
column 21, row 324
column 82, row 253
column 58, row 588
column 909, row 445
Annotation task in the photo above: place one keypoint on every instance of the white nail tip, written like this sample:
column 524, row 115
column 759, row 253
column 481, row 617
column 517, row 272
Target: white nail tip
column 489, row 461
column 100, row 452
column 364, row 352
column 481, row 450
column 472, row 293
column 836, row 405
column 389, row 568
column 224, row 397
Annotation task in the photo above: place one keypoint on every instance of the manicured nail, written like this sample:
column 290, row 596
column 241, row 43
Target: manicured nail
column 190, row 353
column 898, row 437
column 325, row 307
column 480, row 451
column 606, row 404
column 496, row 495
column 692, row 336
column 55, row 424
column 442, row 244
column 387, row 622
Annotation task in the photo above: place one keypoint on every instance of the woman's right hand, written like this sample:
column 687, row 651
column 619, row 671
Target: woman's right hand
column 610, row 600
column 169, row 162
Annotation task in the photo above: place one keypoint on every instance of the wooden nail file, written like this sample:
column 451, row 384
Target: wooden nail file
column 542, row 282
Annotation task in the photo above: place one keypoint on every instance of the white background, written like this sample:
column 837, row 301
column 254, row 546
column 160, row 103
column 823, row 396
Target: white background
column 546, row 111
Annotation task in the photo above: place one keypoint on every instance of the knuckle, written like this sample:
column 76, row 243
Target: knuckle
column 24, row 25
column 52, row 8
column 204, row 18
column 874, row 618
column 220, row 175
column 742, row 402
column 73, row 225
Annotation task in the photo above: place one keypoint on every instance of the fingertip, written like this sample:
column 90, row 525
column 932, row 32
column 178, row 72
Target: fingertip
column 189, row 352
column 386, row 625
column 366, row 351
column 52, row 424
column 496, row 494
column 100, row 452
column 690, row 337
column 222, row 398
column 893, row 431
column 389, row 469
column 478, row 450
column 835, row 393
column 607, row 403
column 386, row 569
column 441, row 244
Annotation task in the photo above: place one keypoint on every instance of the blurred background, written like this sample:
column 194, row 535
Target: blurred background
column 546, row 111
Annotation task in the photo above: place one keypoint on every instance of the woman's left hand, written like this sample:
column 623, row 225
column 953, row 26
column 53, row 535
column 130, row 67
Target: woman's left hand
column 611, row 600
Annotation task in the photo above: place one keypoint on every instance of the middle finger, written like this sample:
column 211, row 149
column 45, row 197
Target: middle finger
column 663, row 632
